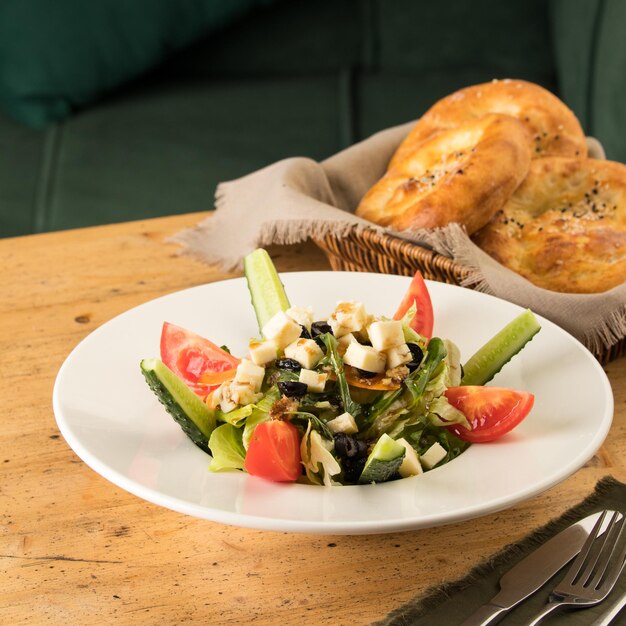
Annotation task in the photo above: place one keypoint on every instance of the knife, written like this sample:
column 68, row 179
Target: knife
column 533, row 571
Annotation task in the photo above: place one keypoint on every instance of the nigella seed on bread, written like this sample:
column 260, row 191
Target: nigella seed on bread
column 464, row 174
column 553, row 128
column 564, row 228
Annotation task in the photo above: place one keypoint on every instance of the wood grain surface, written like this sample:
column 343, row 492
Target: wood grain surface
column 75, row 549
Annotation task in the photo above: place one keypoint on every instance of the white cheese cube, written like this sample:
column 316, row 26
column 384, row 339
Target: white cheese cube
column 262, row 352
column 249, row 373
column 305, row 351
column 315, row 382
column 282, row 330
column 398, row 356
column 338, row 331
column 226, row 406
column 433, row 455
column 233, row 394
column 225, row 399
column 411, row 465
column 365, row 358
column 343, row 423
column 348, row 317
column 386, row 334
column 344, row 341
column 244, row 393
column 301, row 315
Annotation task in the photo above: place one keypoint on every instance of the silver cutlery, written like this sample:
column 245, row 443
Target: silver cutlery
column 595, row 571
column 611, row 612
column 533, row 571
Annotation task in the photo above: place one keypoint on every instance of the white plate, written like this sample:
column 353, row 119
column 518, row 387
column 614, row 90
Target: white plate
column 114, row 423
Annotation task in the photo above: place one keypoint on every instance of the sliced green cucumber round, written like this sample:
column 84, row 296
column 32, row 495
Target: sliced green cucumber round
column 187, row 409
column 383, row 462
column 500, row 349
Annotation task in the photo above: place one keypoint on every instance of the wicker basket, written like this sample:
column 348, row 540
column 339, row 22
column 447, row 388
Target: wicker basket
column 371, row 251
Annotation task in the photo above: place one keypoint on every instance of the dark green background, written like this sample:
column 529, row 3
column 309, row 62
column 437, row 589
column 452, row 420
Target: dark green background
column 110, row 112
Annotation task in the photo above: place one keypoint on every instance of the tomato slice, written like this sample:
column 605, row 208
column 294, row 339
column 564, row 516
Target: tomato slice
column 491, row 411
column 274, row 452
column 423, row 320
column 189, row 356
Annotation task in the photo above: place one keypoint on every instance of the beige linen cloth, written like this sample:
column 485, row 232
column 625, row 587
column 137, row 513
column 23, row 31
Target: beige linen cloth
column 298, row 198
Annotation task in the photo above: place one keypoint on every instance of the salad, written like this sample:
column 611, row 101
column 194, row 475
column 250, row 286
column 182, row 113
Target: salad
column 352, row 397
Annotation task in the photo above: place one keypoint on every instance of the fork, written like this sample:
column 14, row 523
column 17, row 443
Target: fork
column 593, row 574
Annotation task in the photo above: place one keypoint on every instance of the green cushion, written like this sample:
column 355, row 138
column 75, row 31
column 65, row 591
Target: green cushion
column 21, row 151
column 509, row 38
column 163, row 150
column 291, row 37
column 61, row 55
column 591, row 59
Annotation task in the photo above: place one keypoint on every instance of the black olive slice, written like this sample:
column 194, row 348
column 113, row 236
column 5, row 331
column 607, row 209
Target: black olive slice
column 292, row 388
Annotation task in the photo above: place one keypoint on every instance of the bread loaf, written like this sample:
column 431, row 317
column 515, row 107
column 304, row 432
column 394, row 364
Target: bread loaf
column 464, row 174
column 564, row 229
column 553, row 128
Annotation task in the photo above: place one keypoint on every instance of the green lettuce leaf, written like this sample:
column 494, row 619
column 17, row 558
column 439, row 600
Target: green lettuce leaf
column 260, row 413
column 226, row 449
column 236, row 416
column 453, row 361
column 409, row 398
column 442, row 413
column 410, row 336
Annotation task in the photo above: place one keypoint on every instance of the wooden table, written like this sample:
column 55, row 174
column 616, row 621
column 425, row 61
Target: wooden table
column 75, row 549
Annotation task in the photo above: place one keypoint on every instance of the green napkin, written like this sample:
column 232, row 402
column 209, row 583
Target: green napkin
column 451, row 603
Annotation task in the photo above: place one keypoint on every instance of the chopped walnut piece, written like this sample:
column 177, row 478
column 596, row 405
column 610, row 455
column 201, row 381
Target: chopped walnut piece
column 281, row 408
column 397, row 374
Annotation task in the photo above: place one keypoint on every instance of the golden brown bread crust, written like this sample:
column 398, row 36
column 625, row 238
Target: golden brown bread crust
column 461, row 175
column 564, row 228
column 553, row 127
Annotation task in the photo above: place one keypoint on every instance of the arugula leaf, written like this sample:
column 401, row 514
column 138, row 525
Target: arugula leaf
column 275, row 375
column 394, row 404
column 415, row 382
column 304, row 417
column 451, row 443
column 336, row 362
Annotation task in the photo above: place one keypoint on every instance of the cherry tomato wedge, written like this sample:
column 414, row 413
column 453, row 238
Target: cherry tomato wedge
column 491, row 411
column 274, row 452
column 189, row 356
column 423, row 320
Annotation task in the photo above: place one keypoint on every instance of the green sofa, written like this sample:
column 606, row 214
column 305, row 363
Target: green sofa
column 297, row 78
